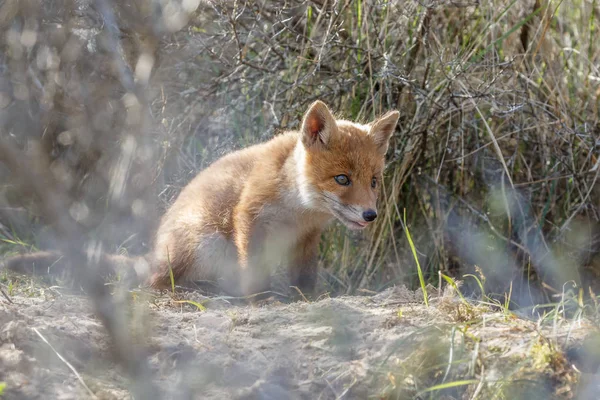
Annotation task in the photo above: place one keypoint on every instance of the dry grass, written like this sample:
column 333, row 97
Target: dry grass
column 495, row 161
column 109, row 107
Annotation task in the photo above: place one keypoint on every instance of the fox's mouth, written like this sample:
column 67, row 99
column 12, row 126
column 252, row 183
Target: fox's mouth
column 340, row 210
column 352, row 224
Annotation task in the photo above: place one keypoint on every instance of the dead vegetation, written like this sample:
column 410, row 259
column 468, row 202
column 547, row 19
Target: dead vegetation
column 108, row 108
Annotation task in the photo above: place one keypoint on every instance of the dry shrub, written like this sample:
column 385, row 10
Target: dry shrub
column 495, row 161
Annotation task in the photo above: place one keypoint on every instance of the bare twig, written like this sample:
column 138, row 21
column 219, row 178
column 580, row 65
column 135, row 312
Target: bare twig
column 6, row 296
column 68, row 364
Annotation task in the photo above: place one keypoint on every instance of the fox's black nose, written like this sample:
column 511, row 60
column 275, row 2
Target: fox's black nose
column 370, row 215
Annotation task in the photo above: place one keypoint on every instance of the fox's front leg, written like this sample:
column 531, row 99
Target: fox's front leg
column 253, row 277
column 303, row 265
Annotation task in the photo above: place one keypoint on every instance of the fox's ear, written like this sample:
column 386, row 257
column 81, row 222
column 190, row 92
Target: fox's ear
column 382, row 129
column 318, row 125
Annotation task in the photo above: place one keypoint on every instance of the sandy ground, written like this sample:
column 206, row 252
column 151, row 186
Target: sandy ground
column 388, row 345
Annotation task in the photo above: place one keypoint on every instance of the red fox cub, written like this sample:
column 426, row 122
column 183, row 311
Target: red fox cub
column 265, row 206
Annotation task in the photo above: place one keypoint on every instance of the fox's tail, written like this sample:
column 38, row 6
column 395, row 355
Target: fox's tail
column 54, row 264
column 39, row 263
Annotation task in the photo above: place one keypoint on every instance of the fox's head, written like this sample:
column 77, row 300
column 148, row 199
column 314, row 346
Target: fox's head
column 341, row 164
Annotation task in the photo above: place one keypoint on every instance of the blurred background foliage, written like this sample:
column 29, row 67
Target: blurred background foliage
column 493, row 169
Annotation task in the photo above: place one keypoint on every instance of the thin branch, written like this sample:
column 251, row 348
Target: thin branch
column 68, row 364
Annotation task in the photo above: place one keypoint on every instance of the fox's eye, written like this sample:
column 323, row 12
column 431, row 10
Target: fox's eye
column 373, row 183
column 342, row 180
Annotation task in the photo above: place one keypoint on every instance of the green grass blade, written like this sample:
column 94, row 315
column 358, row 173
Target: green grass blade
column 171, row 273
column 519, row 24
column 478, row 283
column 194, row 303
column 414, row 253
column 453, row 284
column 448, row 386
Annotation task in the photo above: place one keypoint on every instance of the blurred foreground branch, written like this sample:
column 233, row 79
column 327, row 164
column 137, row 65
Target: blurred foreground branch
column 33, row 173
